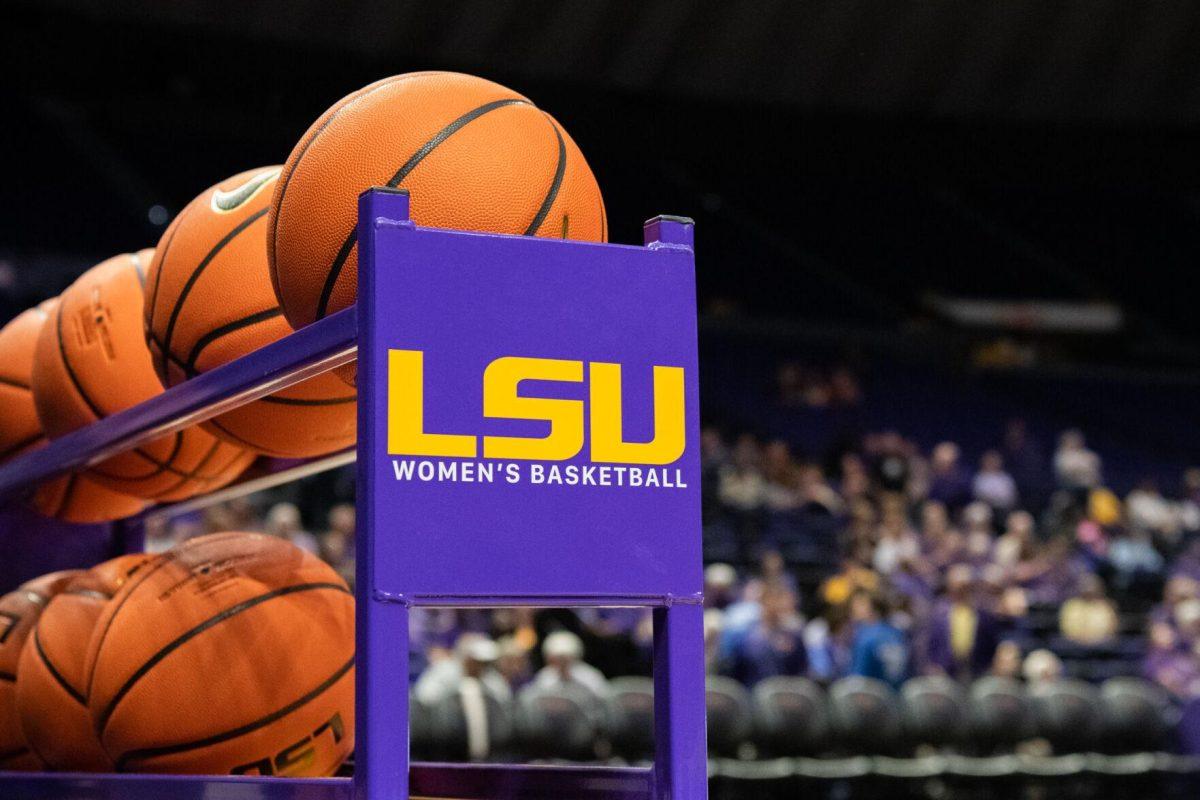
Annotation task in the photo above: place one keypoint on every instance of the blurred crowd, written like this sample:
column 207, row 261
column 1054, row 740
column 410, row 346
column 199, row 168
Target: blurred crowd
column 887, row 561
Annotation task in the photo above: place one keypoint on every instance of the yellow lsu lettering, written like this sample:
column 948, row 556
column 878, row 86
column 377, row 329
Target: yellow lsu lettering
column 502, row 400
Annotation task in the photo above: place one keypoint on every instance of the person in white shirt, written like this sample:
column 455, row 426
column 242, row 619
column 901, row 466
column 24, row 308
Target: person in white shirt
column 563, row 653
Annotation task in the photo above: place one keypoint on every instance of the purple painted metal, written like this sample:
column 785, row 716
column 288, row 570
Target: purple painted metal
column 457, row 302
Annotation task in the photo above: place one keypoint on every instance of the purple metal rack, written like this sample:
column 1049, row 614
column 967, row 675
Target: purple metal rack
column 588, row 353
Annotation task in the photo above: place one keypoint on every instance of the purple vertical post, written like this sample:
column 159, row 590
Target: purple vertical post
column 681, row 751
column 381, row 699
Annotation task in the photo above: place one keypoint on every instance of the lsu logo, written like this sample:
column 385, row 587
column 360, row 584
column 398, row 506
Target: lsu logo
column 503, row 400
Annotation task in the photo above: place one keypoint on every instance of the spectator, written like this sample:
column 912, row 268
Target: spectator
column 940, row 543
column 563, row 653
column 1006, row 663
column 962, row 636
column 1090, row 617
column 897, row 542
column 1075, row 466
column 283, row 520
column 1134, row 560
column 1147, row 510
column 741, row 486
column 337, row 543
column 1042, row 666
column 474, row 657
column 992, row 485
column 775, row 644
column 878, row 648
column 949, row 484
column 1026, row 462
column 782, row 489
column 1016, row 544
column 720, row 585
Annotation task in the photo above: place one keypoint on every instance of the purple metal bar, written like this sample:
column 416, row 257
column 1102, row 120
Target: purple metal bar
column 303, row 354
column 381, row 759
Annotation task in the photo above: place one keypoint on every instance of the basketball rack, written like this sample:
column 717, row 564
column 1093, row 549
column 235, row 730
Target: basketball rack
column 463, row 300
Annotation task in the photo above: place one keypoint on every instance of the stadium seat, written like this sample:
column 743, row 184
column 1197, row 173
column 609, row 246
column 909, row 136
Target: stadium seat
column 1136, row 715
column 934, row 709
column 419, row 729
column 557, row 723
column 865, row 715
column 1067, row 714
column 630, row 712
column 730, row 719
column 998, row 714
column 791, row 717
column 448, row 727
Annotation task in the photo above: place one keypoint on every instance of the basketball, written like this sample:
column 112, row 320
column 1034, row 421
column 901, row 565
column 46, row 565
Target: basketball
column 209, row 300
column 19, row 612
column 232, row 653
column 50, row 678
column 474, row 154
column 91, row 361
column 70, row 498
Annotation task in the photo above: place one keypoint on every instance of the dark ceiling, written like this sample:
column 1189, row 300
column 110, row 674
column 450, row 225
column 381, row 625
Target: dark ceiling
column 842, row 157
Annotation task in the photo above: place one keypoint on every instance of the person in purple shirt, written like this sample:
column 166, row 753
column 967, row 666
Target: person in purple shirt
column 949, row 482
column 774, row 645
column 962, row 635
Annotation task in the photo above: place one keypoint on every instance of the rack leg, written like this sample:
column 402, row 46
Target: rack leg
column 681, row 751
column 381, row 745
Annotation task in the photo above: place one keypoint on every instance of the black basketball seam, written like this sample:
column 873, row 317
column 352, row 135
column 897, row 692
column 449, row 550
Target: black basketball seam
column 555, row 185
column 19, row 446
column 7, row 676
column 229, row 327
column 54, row 673
column 416, row 158
column 16, row 384
column 65, row 501
column 192, row 633
column 83, row 395
column 162, row 258
column 300, row 401
column 287, row 173
column 8, row 755
column 249, row 727
column 199, row 270
column 193, row 473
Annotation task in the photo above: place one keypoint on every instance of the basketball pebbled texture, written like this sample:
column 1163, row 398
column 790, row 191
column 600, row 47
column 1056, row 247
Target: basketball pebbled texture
column 51, row 680
column 233, row 653
column 91, row 361
column 474, row 155
column 70, row 498
column 19, row 611
column 209, row 300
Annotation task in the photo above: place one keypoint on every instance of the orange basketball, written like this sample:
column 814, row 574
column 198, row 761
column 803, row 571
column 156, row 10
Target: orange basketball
column 209, row 300
column 51, row 678
column 474, row 154
column 232, row 653
column 91, row 361
column 19, row 612
column 70, row 498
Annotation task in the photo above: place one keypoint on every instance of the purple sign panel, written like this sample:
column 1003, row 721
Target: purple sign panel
column 541, row 433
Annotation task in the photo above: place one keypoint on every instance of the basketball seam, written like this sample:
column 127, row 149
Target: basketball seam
column 83, row 395
column 300, row 401
column 54, row 673
column 285, row 177
column 13, row 383
column 162, row 258
column 65, row 501
column 7, row 676
column 555, row 184
column 8, row 755
column 249, row 727
column 192, row 633
column 194, row 473
column 229, row 327
column 19, row 446
column 199, row 270
column 335, row 269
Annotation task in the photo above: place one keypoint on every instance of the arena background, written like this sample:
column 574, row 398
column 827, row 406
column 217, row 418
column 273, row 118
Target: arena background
column 917, row 224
